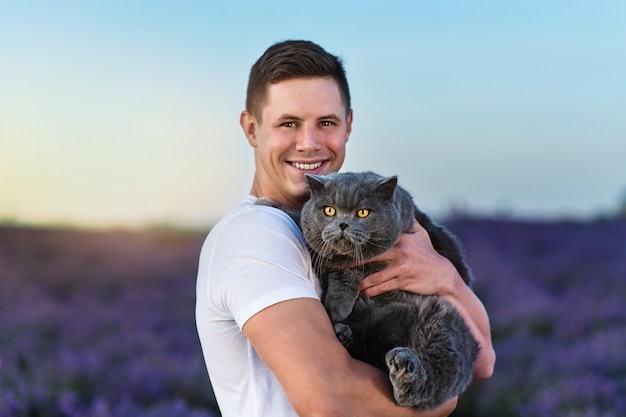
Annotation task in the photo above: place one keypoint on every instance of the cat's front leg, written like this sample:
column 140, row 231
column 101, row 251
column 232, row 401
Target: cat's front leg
column 341, row 294
column 343, row 333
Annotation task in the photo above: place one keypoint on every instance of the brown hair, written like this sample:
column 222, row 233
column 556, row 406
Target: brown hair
column 293, row 59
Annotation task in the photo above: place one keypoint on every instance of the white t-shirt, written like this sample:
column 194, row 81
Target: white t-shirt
column 253, row 258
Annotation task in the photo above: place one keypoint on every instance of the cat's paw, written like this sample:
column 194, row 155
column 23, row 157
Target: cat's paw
column 407, row 375
column 339, row 310
column 343, row 333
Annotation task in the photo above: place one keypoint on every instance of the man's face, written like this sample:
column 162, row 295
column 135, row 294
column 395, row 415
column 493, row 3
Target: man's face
column 304, row 129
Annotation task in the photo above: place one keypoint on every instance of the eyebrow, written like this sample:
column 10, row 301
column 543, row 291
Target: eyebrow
column 325, row 117
column 330, row 116
column 288, row 117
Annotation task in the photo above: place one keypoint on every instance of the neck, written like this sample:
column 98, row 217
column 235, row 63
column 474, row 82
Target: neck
column 293, row 202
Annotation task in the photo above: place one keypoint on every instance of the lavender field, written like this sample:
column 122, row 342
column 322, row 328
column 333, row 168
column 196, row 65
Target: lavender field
column 102, row 323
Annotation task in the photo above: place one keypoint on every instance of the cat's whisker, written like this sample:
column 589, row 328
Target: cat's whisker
column 379, row 246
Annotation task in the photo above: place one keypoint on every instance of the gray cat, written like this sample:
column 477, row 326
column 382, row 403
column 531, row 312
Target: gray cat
column 422, row 341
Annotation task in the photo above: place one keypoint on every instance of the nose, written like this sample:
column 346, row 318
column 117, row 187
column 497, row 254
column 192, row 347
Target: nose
column 308, row 140
column 343, row 226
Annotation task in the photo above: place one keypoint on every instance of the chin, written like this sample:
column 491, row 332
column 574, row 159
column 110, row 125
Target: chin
column 302, row 193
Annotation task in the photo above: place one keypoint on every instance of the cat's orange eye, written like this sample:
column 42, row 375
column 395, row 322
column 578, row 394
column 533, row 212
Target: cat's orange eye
column 362, row 213
column 329, row 211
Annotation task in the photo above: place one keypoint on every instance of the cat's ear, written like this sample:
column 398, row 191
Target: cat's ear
column 386, row 187
column 316, row 182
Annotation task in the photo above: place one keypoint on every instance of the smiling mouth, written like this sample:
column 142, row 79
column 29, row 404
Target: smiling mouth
column 307, row 166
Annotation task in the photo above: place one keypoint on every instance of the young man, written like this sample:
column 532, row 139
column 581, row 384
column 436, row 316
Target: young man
column 269, row 346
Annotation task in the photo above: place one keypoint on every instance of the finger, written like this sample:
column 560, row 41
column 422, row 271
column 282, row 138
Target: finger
column 373, row 279
column 378, row 282
column 374, row 290
column 383, row 257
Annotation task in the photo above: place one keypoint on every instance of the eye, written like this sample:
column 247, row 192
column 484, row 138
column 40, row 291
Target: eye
column 329, row 211
column 362, row 213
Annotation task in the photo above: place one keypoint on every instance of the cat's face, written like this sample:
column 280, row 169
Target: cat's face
column 351, row 215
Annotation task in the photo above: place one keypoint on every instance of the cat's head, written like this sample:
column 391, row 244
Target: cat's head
column 351, row 215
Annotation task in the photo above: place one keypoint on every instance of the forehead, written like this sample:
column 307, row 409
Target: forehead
column 304, row 97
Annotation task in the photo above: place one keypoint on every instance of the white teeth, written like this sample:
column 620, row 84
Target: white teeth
column 307, row 166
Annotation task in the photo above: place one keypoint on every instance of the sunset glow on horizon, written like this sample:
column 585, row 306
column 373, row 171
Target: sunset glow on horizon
column 118, row 114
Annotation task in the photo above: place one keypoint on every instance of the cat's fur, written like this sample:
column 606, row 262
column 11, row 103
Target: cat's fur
column 422, row 341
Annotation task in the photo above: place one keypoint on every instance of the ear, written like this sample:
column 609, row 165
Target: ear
column 386, row 187
column 316, row 182
column 249, row 125
column 348, row 125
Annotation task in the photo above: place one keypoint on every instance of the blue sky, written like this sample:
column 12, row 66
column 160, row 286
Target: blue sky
column 126, row 112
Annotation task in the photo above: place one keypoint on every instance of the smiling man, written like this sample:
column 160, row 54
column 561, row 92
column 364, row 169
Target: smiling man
column 268, row 343
column 304, row 129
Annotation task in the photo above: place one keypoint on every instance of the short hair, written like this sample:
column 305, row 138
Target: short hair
column 293, row 59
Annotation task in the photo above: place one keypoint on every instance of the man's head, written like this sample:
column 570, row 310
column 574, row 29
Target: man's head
column 298, row 119
column 293, row 59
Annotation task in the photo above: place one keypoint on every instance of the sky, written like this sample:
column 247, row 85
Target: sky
column 126, row 113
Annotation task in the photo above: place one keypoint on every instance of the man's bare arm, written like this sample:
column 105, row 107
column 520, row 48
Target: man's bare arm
column 296, row 341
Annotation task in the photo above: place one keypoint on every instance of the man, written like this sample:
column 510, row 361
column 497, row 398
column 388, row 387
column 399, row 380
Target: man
column 269, row 346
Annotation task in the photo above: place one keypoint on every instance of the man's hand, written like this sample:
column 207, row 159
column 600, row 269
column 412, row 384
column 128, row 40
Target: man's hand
column 412, row 265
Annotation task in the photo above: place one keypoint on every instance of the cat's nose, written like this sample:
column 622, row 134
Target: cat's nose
column 343, row 226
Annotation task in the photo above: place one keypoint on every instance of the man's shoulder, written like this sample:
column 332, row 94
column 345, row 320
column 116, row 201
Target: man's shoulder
column 250, row 213
column 249, row 220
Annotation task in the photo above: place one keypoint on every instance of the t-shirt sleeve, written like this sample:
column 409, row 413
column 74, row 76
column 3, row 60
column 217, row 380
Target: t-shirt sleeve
column 258, row 259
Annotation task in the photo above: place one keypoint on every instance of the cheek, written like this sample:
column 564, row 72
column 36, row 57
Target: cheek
column 276, row 143
column 338, row 148
column 337, row 143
